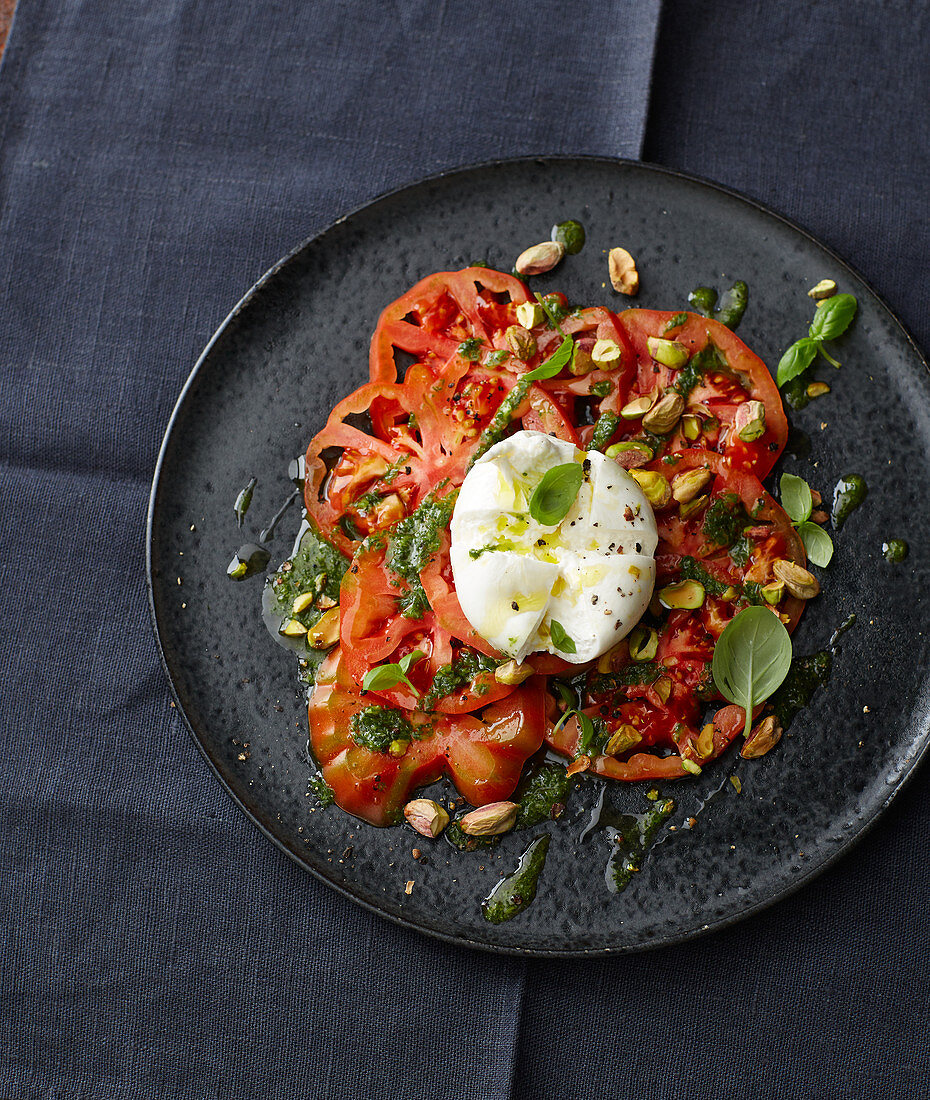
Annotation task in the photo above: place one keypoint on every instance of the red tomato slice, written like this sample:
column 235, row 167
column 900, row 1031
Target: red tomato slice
column 432, row 319
column 483, row 756
column 719, row 393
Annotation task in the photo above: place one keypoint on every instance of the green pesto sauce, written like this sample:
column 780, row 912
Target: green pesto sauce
column 895, row 550
column 733, row 305
column 741, row 551
column 725, row 519
column 500, row 422
column 707, row 359
column 375, row 728
column 515, row 892
column 603, row 388
column 795, row 392
column 541, row 795
column 632, row 835
column 412, row 543
column 243, row 500
column 470, row 349
column 604, row 428
column 322, row 791
column 316, row 566
column 675, row 321
column 462, row 842
column 849, row 493
column 468, row 663
column 703, row 300
column 497, row 357
column 370, row 500
column 804, row 677
column 571, row 234
column 641, row 672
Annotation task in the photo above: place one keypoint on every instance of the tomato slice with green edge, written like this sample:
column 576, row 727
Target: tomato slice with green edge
column 713, row 393
column 483, row 755
column 439, row 313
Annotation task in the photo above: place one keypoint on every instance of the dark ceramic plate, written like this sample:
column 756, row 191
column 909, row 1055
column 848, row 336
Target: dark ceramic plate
column 298, row 342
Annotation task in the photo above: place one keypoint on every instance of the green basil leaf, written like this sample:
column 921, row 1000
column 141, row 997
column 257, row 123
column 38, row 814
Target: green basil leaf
column 833, row 318
column 556, row 493
column 551, row 367
column 560, row 639
column 386, row 677
column 796, row 359
column 586, row 726
column 817, row 543
column 796, row 498
column 751, row 659
column 405, row 662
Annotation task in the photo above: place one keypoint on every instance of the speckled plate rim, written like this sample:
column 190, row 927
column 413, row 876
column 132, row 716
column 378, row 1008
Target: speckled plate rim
column 789, row 887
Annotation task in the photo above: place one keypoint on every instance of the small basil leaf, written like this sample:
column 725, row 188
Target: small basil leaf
column 796, row 359
column 551, row 367
column 817, row 543
column 556, row 493
column 560, row 639
column 751, row 659
column 833, row 318
column 386, row 677
column 411, row 658
column 796, row 498
column 587, row 732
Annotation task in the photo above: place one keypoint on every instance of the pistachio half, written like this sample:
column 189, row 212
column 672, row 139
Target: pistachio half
column 687, row 485
column 691, row 426
column 762, row 737
column 521, row 342
column 654, row 485
column 643, row 643
column 530, row 314
column 692, row 507
column 540, row 258
column 293, row 629
column 773, row 593
column 302, row 602
column 624, row 277
column 426, row 817
column 605, row 351
column 826, row 288
column 490, row 820
column 325, row 631
column 664, row 415
column 801, row 583
column 684, row 594
column 581, row 361
column 638, row 407
column 817, row 389
column 705, row 741
column 623, row 738
column 670, row 353
column 631, row 454
column 749, row 421
column 513, row 672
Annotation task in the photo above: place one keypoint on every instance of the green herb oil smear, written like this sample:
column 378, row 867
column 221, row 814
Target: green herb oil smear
column 515, row 892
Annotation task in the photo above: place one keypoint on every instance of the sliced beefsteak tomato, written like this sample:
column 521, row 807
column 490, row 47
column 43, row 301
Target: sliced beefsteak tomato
column 483, row 754
column 720, row 375
column 441, row 312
